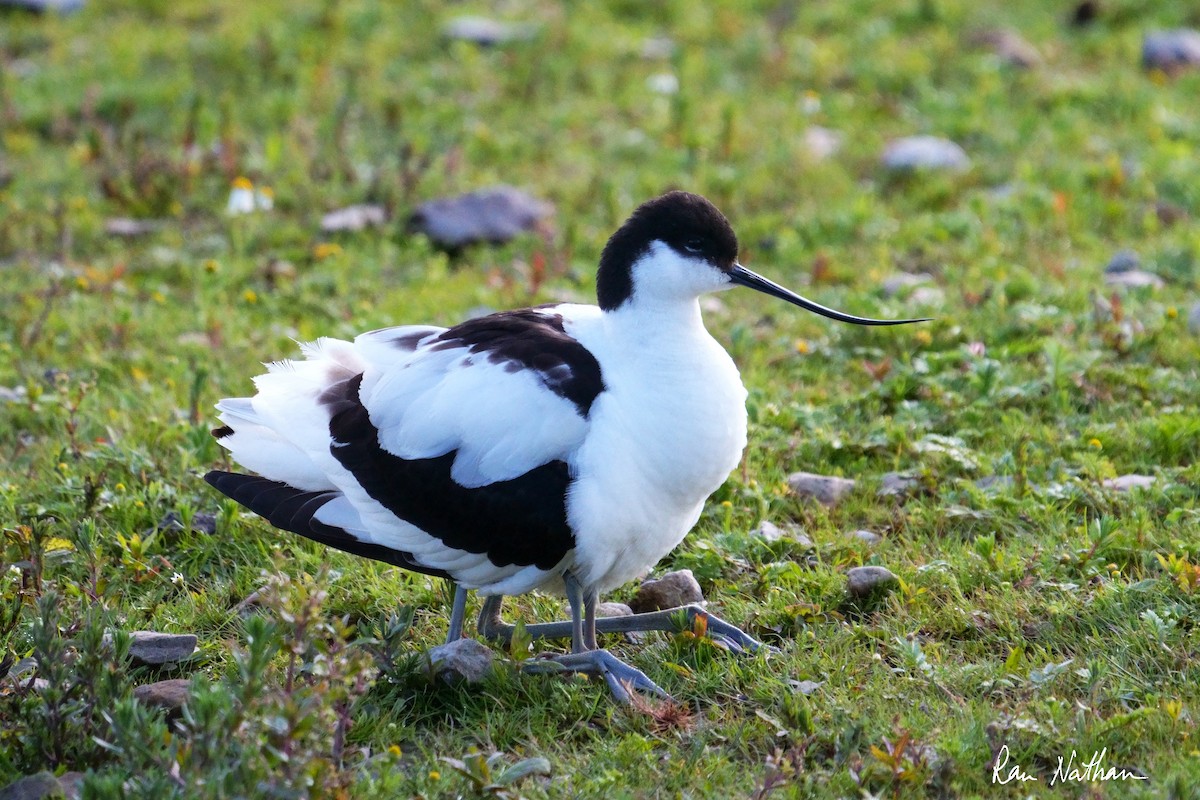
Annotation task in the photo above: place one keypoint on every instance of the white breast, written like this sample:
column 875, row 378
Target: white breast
column 663, row 435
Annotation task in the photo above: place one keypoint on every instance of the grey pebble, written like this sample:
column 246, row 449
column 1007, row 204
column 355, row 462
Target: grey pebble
column 1171, row 50
column 864, row 581
column 1134, row 279
column 153, row 648
column 769, row 531
column 493, row 215
column 354, row 218
column 613, row 610
column 1125, row 483
column 869, row 538
column 169, row 695
column 895, row 284
column 32, row 787
column 466, row 660
column 485, row 31
column 897, row 484
column 827, row 490
column 1123, row 261
column 924, row 153
column 672, row 590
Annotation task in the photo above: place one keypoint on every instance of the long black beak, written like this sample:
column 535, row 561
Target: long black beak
column 744, row 277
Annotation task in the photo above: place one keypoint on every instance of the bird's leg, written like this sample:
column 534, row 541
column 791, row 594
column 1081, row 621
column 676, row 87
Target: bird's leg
column 457, row 611
column 730, row 636
column 720, row 631
column 619, row 676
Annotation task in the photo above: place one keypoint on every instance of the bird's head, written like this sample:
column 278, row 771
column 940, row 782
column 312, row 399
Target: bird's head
column 679, row 246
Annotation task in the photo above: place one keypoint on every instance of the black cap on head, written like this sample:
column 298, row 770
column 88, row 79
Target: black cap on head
column 685, row 222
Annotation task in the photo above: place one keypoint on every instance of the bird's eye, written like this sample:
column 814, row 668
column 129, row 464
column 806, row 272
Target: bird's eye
column 693, row 245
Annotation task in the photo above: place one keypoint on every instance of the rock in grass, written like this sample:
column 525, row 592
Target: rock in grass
column 918, row 153
column 1171, row 51
column 1009, row 46
column 493, row 215
column 1194, row 319
column 863, row 582
column 353, row 218
column 201, row 522
column 71, row 784
column 1123, row 261
column 770, row 532
column 484, row 31
column 153, row 648
column 43, row 6
column 825, row 489
column 613, row 610
column 897, row 484
column 127, row 228
column 1134, row 279
column 822, row 143
column 895, row 284
column 869, row 538
column 462, row 660
column 167, row 695
column 1125, row 483
column 674, row 589
column 33, row 787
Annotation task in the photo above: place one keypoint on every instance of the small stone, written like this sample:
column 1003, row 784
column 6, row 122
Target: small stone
column 1194, row 319
column 806, row 687
column 168, row 695
column 485, row 32
column 658, row 47
column 71, row 784
column 613, row 610
column 1123, row 261
column 770, row 532
column 1134, row 279
column 1009, row 46
column 663, row 83
column 126, row 228
column 825, row 489
column 864, row 581
column 153, row 648
column 672, row 590
column 13, row 394
column 1171, row 51
column 895, row 284
column 924, row 153
column 466, row 660
column 493, row 215
column 869, row 538
column 822, row 143
column 353, row 218
column 896, row 484
column 1125, row 483
column 33, row 787
column 201, row 522
column 43, row 6
column 927, row 296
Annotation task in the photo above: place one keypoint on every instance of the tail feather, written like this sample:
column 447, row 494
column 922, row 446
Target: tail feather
column 294, row 510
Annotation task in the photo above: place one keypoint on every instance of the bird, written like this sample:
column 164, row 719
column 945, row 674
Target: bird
column 565, row 448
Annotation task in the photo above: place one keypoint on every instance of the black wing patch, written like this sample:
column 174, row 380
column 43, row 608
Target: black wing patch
column 291, row 509
column 520, row 522
column 534, row 341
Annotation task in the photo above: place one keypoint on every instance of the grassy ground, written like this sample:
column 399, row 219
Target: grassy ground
column 1046, row 613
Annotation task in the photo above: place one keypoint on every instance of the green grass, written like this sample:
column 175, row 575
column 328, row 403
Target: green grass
column 1046, row 613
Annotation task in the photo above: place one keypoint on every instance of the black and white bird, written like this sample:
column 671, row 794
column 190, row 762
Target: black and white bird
column 565, row 448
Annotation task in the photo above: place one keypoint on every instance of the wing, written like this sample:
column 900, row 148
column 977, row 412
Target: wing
column 450, row 447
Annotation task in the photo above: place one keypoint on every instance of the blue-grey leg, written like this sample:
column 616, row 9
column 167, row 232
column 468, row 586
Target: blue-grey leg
column 457, row 611
column 492, row 627
column 619, row 676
